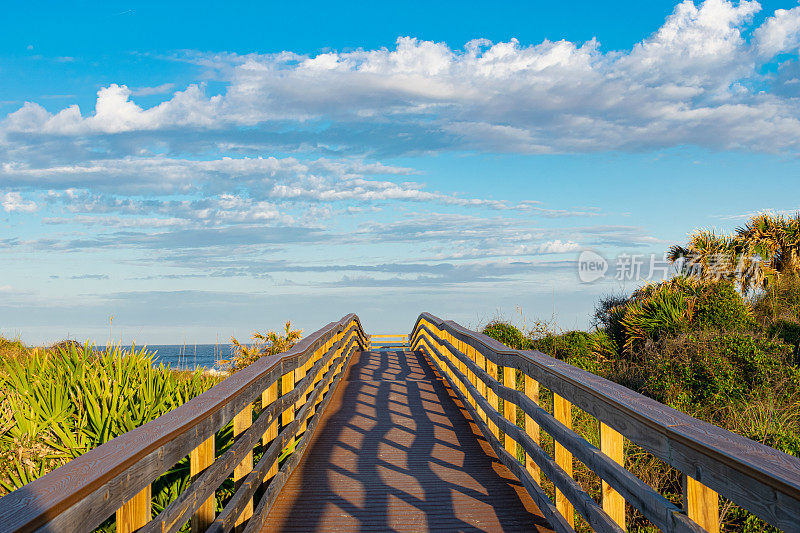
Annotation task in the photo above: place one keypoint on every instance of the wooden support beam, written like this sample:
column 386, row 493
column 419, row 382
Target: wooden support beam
column 562, row 411
column 199, row 459
column 509, row 409
column 532, row 428
column 269, row 395
column 701, row 504
column 135, row 513
column 241, row 422
column 612, row 444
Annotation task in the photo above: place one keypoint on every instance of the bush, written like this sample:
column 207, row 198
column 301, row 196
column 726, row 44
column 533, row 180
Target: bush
column 573, row 347
column 507, row 334
column 669, row 308
column 705, row 370
column 788, row 332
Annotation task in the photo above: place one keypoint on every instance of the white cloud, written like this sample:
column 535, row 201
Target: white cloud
column 697, row 80
column 12, row 201
column 779, row 33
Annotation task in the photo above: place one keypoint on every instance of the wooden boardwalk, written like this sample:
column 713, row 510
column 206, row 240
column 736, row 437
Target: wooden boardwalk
column 395, row 451
column 384, row 444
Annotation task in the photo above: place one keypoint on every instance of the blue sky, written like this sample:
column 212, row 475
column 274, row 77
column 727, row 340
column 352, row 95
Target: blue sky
column 198, row 170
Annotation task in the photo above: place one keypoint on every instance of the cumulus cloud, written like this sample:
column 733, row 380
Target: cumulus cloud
column 779, row 33
column 695, row 81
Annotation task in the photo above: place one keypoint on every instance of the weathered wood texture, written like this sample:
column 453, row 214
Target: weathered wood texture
column 759, row 478
column 87, row 490
column 395, row 452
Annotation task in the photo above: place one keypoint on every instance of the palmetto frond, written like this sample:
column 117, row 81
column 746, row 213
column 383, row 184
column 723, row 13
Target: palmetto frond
column 756, row 255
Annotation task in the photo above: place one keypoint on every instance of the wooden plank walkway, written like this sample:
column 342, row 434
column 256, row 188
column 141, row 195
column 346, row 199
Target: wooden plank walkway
column 395, row 451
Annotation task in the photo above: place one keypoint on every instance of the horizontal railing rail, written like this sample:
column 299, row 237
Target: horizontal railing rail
column 714, row 461
column 115, row 478
column 378, row 342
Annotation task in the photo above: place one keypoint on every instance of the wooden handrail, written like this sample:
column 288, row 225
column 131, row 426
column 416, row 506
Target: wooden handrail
column 83, row 493
column 759, row 478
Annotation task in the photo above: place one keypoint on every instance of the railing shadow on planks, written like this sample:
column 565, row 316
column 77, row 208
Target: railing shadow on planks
column 115, row 478
column 713, row 461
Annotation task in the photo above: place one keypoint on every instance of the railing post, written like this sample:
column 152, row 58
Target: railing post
column 287, row 384
column 241, row 422
column 701, row 504
column 532, row 428
column 269, row 395
column 199, row 459
column 480, row 359
column 510, row 408
column 491, row 369
column 135, row 513
column 562, row 411
column 613, row 445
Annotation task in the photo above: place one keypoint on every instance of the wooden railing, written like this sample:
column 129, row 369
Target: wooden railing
column 378, row 342
column 714, row 461
column 115, row 478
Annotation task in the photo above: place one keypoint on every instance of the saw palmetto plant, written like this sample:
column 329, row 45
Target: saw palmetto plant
column 756, row 256
column 58, row 404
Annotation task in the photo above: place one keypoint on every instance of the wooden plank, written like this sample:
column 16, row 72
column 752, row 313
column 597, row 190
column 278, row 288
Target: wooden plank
column 612, row 444
column 135, row 513
column 269, row 395
column 175, row 513
column 532, row 428
column 201, row 458
column 249, row 485
column 241, row 423
column 702, row 504
column 509, row 409
column 287, row 384
column 562, row 411
column 317, row 486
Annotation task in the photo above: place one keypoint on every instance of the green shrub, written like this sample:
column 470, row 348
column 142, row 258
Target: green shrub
column 506, row 333
column 672, row 307
column 573, row 347
column 700, row 370
column 788, row 332
column 719, row 306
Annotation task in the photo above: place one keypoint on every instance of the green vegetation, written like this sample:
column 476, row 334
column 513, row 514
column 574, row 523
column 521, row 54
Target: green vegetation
column 722, row 348
column 269, row 343
column 59, row 403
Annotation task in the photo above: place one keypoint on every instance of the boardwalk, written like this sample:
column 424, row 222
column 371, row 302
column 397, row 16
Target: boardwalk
column 395, row 452
column 384, row 445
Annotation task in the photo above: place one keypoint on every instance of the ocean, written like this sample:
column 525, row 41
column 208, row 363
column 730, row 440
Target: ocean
column 189, row 356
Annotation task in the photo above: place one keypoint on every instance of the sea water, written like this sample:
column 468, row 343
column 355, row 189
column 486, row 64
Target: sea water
column 189, row 356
